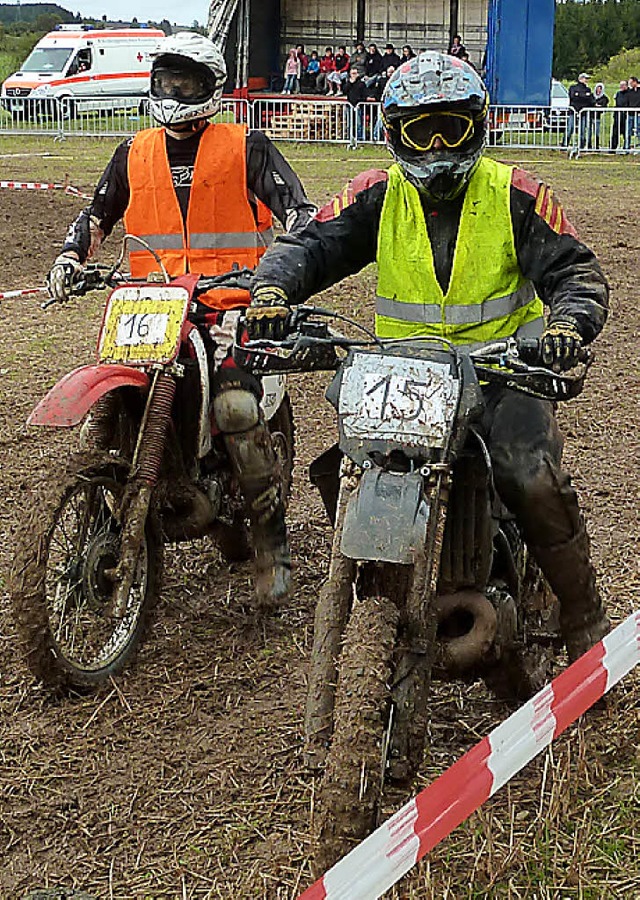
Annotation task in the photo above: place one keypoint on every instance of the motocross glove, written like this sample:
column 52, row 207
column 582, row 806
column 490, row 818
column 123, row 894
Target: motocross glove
column 561, row 346
column 268, row 315
column 65, row 272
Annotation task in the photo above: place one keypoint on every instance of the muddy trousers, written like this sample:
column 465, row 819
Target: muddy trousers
column 526, row 451
column 248, row 442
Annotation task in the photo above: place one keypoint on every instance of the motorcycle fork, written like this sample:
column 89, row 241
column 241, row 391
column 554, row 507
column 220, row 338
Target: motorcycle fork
column 147, row 461
column 416, row 645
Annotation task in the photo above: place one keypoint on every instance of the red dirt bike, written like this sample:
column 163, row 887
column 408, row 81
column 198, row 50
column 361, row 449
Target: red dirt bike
column 153, row 468
column 429, row 574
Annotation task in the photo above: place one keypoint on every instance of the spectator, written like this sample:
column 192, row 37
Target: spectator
column 336, row 78
column 619, row 124
column 633, row 117
column 456, row 47
column 382, row 83
column 373, row 65
column 359, row 57
column 327, row 64
column 580, row 97
column 601, row 102
column 390, row 58
column 302, row 56
column 292, row 72
column 357, row 94
column 407, row 53
column 310, row 74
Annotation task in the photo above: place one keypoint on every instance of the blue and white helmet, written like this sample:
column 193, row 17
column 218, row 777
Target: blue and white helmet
column 188, row 74
column 436, row 99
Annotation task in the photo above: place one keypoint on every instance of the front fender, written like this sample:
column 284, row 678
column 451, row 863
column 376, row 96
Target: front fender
column 68, row 401
column 386, row 518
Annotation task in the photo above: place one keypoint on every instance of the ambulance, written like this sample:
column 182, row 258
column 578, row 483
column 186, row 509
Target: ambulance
column 80, row 68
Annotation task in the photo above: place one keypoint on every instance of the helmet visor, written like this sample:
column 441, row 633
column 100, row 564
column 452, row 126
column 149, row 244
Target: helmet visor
column 421, row 132
column 185, row 85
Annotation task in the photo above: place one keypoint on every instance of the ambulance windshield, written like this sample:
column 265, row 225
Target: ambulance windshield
column 46, row 60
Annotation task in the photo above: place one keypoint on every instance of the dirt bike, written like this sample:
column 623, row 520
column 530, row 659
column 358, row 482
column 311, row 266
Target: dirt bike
column 429, row 574
column 153, row 468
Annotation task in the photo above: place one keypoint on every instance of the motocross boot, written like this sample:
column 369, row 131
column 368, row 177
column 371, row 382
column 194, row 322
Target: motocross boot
column 570, row 573
column 256, row 466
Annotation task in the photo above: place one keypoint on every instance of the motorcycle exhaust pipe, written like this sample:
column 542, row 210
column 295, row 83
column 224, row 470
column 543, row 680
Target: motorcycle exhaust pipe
column 467, row 628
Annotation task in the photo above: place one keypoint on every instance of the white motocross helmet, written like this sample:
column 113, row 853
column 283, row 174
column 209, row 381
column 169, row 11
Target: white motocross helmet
column 188, row 73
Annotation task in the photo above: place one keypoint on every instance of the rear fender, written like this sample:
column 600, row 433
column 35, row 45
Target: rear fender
column 68, row 401
column 386, row 518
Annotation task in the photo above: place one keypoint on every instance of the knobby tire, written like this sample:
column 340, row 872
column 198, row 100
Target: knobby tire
column 350, row 792
column 33, row 575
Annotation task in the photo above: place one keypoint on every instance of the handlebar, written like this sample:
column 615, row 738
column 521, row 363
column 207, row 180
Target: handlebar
column 312, row 346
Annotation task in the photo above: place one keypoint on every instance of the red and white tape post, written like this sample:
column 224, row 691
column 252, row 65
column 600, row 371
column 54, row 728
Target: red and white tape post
column 395, row 847
column 22, row 292
column 44, row 186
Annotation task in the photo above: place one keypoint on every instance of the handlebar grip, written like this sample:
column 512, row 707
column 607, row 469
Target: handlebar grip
column 529, row 350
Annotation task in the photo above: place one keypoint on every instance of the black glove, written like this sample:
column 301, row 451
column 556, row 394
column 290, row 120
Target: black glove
column 561, row 346
column 65, row 272
column 268, row 316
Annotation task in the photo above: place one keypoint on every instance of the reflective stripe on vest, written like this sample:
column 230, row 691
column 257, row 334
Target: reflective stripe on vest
column 211, row 240
column 488, row 297
column 221, row 229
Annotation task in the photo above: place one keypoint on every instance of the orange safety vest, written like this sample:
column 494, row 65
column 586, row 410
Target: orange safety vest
column 221, row 227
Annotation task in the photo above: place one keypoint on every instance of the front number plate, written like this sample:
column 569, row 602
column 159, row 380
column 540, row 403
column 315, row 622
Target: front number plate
column 143, row 324
column 397, row 398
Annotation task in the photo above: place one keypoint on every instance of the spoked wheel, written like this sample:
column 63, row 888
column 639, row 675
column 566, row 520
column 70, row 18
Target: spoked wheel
column 65, row 573
column 283, row 437
column 350, row 793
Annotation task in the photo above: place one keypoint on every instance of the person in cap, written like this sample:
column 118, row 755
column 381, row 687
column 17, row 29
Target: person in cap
column 580, row 98
column 453, row 231
column 202, row 196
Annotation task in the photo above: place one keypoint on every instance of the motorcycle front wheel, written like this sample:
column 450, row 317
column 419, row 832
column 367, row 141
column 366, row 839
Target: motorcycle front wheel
column 350, row 792
column 63, row 578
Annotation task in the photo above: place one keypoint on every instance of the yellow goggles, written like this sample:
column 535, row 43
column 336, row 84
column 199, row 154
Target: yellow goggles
column 421, row 132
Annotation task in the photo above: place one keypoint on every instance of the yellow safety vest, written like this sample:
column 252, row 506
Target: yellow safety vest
column 488, row 297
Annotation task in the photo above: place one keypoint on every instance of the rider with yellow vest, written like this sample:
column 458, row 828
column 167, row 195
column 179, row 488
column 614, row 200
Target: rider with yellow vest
column 471, row 250
column 201, row 196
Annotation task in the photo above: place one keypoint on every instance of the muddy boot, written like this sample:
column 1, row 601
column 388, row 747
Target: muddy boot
column 256, row 467
column 570, row 573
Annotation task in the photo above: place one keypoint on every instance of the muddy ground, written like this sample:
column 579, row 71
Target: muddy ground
column 184, row 778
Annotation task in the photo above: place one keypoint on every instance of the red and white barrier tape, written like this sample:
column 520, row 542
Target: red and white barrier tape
column 394, row 848
column 44, row 186
column 7, row 295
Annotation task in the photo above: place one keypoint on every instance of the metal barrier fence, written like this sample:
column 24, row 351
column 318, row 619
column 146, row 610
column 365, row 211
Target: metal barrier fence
column 311, row 120
column 94, row 117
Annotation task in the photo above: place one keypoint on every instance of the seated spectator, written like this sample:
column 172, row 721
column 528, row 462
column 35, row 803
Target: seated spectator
column 302, row 56
column 336, row 78
column 407, row 53
column 309, row 75
column 457, row 47
column 390, row 58
column 359, row 57
column 292, row 72
column 327, row 65
column 373, row 65
column 382, row 82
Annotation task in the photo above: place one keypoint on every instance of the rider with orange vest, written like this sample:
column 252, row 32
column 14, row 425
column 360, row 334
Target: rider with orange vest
column 201, row 196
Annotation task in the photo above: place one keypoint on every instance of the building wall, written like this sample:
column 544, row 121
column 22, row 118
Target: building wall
column 421, row 23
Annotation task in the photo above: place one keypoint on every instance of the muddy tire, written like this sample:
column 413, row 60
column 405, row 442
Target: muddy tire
column 60, row 586
column 283, row 436
column 350, row 793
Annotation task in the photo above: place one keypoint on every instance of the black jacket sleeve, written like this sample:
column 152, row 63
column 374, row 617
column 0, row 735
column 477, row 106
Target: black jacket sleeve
column 326, row 251
column 565, row 272
column 272, row 180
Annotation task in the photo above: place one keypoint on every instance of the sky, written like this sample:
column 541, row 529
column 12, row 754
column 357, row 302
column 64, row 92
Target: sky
column 183, row 12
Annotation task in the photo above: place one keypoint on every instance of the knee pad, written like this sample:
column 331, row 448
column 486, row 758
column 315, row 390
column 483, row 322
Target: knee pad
column 236, row 411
